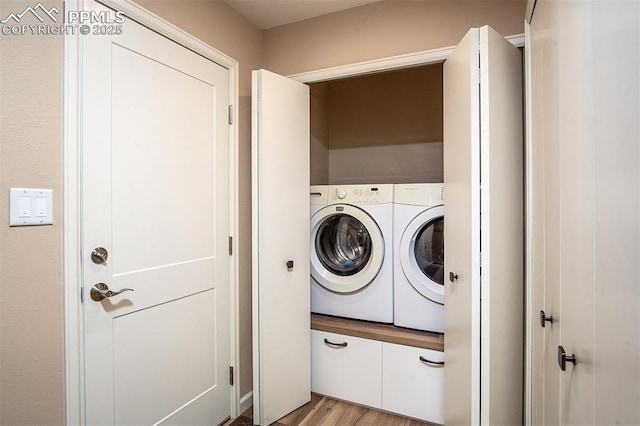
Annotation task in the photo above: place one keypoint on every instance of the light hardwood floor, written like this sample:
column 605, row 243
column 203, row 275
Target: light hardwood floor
column 324, row 411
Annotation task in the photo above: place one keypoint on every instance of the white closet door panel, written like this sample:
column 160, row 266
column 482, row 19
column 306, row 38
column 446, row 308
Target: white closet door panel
column 462, row 232
column 281, row 295
column 502, row 287
column 483, row 182
column 616, row 318
column 543, row 196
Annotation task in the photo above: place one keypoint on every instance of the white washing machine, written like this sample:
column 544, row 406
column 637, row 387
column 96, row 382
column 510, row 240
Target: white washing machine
column 318, row 196
column 418, row 215
column 351, row 252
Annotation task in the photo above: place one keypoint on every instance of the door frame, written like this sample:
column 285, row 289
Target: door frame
column 409, row 60
column 72, row 219
column 528, row 225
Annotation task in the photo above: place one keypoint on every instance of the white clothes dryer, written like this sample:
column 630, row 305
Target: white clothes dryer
column 351, row 254
column 418, row 211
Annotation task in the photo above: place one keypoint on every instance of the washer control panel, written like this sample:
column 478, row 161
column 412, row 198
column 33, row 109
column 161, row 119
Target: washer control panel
column 360, row 194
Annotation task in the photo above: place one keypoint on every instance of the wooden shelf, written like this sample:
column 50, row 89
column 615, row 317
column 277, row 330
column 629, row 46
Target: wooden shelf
column 376, row 331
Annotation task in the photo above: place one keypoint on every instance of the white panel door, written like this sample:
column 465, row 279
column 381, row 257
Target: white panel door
column 483, row 231
column 462, row 232
column 155, row 155
column 281, row 293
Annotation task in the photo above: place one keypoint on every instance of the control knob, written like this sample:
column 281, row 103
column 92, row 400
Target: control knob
column 342, row 194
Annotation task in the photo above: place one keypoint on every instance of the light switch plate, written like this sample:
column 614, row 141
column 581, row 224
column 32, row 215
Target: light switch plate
column 30, row 206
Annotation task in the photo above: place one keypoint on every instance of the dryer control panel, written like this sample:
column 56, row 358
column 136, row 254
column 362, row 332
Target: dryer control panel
column 361, row 194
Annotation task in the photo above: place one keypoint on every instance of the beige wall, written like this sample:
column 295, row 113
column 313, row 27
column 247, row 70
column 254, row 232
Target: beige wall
column 384, row 29
column 31, row 287
column 319, row 148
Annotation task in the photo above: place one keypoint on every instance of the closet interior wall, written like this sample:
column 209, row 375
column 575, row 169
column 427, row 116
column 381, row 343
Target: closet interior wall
column 378, row 128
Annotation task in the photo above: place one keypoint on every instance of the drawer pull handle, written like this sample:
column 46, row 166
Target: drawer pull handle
column 335, row 345
column 435, row 364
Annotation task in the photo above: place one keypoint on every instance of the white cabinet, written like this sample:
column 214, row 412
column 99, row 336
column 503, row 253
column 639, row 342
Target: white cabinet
column 346, row 367
column 400, row 379
column 413, row 382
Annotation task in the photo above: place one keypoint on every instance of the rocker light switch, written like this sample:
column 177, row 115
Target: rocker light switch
column 41, row 207
column 28, row 206
column 24, row 207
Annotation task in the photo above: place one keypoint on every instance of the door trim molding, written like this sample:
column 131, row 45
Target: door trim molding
column 528, row 229
column 386, row 64
column 72, row 80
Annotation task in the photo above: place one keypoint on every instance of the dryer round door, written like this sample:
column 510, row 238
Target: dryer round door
column 347, row 248
column 422, row 253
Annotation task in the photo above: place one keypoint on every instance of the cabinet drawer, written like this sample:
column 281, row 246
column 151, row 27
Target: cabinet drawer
column 411, row 386
column 346, row 367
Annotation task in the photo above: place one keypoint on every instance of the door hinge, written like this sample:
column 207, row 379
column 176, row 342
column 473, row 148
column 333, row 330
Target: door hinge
column 230, row 114
column 230, row 246
column 231, row 376
column 81, row 294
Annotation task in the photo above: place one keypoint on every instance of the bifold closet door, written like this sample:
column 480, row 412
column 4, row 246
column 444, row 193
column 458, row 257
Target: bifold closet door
column 483, row 185
column 280, row 253
column 585, row 144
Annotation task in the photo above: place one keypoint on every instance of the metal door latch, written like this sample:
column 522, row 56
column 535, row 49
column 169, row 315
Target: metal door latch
column 99, row 255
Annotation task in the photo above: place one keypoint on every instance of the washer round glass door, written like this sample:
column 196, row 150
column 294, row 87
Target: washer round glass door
column 347, row 248
column 422, row 253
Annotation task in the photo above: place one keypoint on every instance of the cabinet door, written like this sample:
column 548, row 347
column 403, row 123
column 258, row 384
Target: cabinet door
column 413, row 382
column 483, row 183
column 280, row 280
column 346, row 367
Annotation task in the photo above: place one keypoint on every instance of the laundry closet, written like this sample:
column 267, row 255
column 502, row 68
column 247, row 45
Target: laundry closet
column 368, row 133
column 376, row 131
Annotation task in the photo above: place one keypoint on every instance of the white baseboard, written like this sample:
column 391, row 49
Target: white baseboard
column 245, row 402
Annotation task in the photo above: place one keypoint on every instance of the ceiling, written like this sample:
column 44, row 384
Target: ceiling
column 267, row 14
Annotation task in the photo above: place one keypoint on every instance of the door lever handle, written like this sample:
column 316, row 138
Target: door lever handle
column 101, row 291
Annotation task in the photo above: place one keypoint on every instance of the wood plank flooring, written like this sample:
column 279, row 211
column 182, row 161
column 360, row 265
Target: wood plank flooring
column 324, row 411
